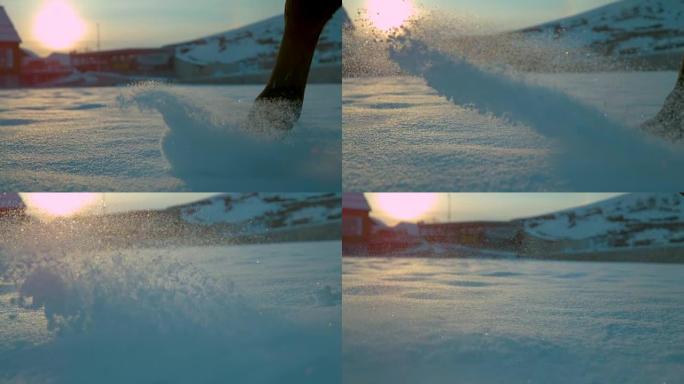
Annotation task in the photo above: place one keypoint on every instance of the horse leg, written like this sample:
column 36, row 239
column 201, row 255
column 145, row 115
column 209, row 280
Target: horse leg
column 304, row 22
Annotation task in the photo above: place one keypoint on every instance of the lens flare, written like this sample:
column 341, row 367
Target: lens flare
column 405, row 206
column 52, row 205
column 389, row 14
column 58, row 26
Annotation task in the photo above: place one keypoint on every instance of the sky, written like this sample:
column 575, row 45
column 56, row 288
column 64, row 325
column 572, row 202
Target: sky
column 58, row 204
column 144, row 23
column 476, row 206
column 153, row 23
column 119, row 202
column 503, row 14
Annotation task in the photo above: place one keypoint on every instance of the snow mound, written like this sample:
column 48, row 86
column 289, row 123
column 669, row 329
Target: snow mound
column 633, row 219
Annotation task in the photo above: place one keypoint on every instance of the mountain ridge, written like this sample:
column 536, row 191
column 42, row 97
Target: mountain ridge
column 251, row 50
column 639, row 219
column 646, row 32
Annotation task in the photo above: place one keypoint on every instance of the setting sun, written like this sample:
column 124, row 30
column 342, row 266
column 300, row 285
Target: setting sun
column 58, row 26
column 59, row 204
column 389, row 14
column 405, row 206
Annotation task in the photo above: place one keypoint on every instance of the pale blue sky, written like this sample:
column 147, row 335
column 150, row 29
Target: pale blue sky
column 143, row 23
column 496, row 206
column 504, row 14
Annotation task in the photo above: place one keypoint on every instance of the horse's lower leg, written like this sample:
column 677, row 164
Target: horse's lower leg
column 304, row 22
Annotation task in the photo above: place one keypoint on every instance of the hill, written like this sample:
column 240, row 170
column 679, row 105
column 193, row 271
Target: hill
column 248, row 54
column 648, row 33
column 631, row 220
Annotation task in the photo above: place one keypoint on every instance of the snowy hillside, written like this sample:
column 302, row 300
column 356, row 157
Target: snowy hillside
column 254, row 48
column 627, row 28
column 256, row 212
column 627, row 220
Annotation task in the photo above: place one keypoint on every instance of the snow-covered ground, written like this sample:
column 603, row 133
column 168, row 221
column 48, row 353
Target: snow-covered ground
column 157, row 137
column 494, row 321
column 248, row 314
column 504, row 132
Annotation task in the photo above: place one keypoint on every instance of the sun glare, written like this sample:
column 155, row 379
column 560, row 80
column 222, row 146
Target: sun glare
column 405, row 206
column 53, row 205
column 389, row 14
column 58, row 26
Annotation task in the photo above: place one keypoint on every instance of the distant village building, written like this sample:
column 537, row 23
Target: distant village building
column 10, row 54
column 11, row 206
column 481, row 234
column 38, row 70
column 392, row 240
column 356, row 223
column 137, row 61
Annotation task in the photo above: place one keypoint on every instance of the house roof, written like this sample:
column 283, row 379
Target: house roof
column 7, row 32
column 355, row 200
column 11, row 201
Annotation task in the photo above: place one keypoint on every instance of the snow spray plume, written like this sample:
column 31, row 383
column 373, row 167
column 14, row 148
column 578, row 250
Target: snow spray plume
column 210, row 146
column 366, row 49
column 145, row 310
column 597, row 153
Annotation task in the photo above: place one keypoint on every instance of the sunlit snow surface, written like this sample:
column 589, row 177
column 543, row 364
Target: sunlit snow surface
column 160, row 137
column 400, row 134
column 213, row 314
column 474, row 321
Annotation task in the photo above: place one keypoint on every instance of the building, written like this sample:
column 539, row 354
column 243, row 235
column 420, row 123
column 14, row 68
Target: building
column 38, row 70
column 480, row 234
column 11, row 206
column 391, row 240
column 356, row 223
column 10, row 54
column 131, row 61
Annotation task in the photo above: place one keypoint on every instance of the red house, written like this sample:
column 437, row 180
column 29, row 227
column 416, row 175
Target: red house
column 10, row 55
column 11, row 206
column 356, row 224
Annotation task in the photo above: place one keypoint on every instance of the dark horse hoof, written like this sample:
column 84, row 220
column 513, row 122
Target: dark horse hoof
column 274, row 113
column 669, row 122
